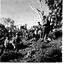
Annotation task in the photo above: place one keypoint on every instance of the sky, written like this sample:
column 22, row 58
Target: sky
column 22, row 11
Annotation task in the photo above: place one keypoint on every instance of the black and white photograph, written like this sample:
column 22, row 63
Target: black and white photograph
column 31, row 31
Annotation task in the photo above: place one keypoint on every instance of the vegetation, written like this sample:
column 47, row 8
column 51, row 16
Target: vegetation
column 31, row 50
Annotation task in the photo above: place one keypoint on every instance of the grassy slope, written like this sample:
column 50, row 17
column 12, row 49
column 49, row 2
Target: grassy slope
column 40, row 52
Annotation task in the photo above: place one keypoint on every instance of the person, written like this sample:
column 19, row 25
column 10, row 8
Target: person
column 39, row 26
column 15, row 38
column 36, row 34
column 6, row 42
column 4, row 45
column 46, row 25
column 9, row 44
column 39, row 29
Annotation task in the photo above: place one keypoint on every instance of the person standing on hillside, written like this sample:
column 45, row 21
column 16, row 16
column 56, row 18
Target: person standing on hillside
column 39, row 29
column 46, row 25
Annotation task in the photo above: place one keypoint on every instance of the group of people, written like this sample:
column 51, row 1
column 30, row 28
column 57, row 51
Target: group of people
column 51, row 23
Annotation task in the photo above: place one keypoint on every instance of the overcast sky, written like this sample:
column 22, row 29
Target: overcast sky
column 20, row 11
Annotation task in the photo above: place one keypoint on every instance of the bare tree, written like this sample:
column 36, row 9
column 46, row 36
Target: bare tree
column 40, row 11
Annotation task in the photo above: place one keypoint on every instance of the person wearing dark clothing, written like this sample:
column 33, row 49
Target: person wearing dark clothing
column 47, row 27
column 39, row 26
column 39, row 29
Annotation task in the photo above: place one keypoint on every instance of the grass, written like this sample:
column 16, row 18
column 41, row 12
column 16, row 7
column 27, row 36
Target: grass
column 39, row 52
